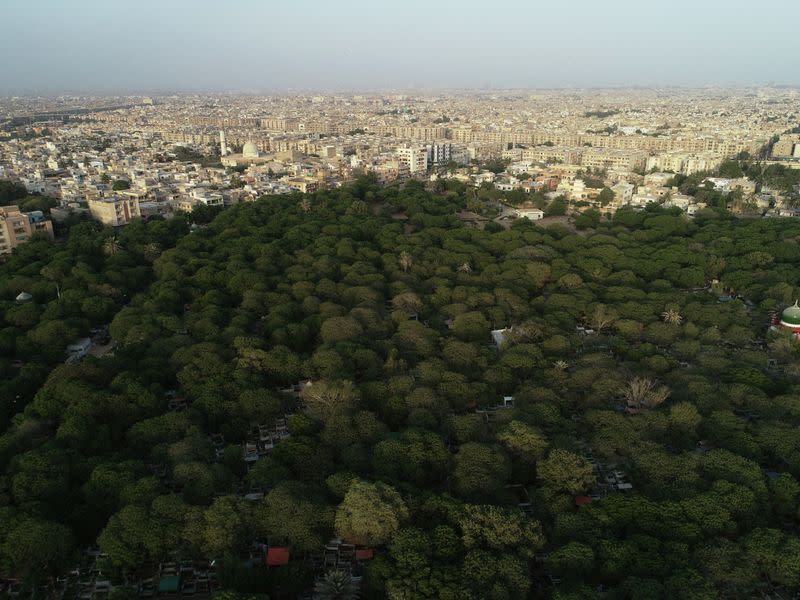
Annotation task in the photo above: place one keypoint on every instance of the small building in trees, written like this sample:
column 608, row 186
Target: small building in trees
column 790, row 319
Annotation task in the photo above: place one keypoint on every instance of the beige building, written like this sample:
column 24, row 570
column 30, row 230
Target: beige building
column 17, row 227
column 551, row 154
column 115, row 211
column 613, row 159
column 786, row 146
column 279, row 124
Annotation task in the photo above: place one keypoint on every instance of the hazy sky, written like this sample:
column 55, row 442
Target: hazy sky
column 275, row 45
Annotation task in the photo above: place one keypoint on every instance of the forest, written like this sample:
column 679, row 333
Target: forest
column 530, row 412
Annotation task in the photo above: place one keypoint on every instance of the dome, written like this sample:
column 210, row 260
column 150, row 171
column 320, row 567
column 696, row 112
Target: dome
column 791, row 316
column 250, row 150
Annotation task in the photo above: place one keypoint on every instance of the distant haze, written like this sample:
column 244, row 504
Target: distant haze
column 117, row 46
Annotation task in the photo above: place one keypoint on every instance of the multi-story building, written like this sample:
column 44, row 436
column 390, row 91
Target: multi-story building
column 114, row 211
column 442, row 153
column 683, row 162
column 17, row 227
column 279, row 124
column 787, row 145
column 415, row 157
column 551, row 154
column 619, row 160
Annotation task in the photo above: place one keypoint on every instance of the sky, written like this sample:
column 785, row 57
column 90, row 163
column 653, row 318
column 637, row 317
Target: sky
column 158, row 46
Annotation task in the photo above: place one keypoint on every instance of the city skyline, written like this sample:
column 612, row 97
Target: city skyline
column 94, row 47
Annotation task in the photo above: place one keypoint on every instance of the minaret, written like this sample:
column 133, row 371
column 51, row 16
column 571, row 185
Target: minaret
column 223, row 148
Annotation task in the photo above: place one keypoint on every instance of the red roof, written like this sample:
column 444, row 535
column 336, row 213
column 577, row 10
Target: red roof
column 277, row 557
column 582, row 500
column 364, row 554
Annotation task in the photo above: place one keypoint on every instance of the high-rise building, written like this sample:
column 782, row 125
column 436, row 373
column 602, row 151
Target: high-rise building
column 115, row 211
column 223, row 147
column 17, row 227
column 415, row 157
column 442, row 153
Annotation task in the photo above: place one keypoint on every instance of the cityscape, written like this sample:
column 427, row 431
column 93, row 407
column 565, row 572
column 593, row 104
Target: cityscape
column 454, row 301
column 116, row 159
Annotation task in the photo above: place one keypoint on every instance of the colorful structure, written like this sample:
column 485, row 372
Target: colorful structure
column 790, row 319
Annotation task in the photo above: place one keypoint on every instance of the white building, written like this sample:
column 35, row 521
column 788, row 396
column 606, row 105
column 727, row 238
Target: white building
column 415, row 157
column 441, row 153
column 533, row 214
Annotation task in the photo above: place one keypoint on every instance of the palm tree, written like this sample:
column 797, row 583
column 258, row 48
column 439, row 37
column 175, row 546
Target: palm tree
column 641, row 392
column 602, row 317
column 336, row 585
column 151, row 251
column 560, row 365
column 111, row 246
column 672, row 316
column 464, row 268
column 405, row 261
column 305, row 205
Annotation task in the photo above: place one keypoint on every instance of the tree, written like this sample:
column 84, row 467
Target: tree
column 370, row 513
column 405, row 261
column 324, row 399
column 151, row 251
column 641, row 392
column 336, row 585
column 556, row 208
column 471, row 326
column 501, row 529
column 287, row 515
column 111, row 246
column 602, row 317
column 684, row 419
column 408, row 302
column 228, row 526
column 339, row 329
column 564, row 471
column 523, row 441
column 120, row 184
column 38, row 550
column 672, row 317
column 574, row 560
column 11, row 192
column 480, row 470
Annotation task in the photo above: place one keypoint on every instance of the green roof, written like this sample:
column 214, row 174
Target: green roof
column 171, row 583
column 791, row 315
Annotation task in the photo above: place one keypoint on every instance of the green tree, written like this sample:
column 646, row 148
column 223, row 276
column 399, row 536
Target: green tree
column 564, row 471
column 371, row 513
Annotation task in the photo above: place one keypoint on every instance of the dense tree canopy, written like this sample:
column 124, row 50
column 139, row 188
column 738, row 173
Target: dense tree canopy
column 311, row 366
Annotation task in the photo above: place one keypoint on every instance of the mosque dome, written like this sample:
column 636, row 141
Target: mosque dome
column 791, row 317
column 250, row 150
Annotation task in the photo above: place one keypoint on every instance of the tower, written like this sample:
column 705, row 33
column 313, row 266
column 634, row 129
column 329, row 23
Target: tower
column 223, row 148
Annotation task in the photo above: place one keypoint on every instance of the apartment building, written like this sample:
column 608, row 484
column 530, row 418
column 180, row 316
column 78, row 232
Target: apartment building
column 613, row 159
column 412, row 132
column 415, row 157
column 552, row 154
column 439, row 154
column 114, row 210
column 17, row 227
column 279, row 124
column 786, row 146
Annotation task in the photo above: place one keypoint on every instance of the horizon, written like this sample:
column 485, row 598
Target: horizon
column 427, row 90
